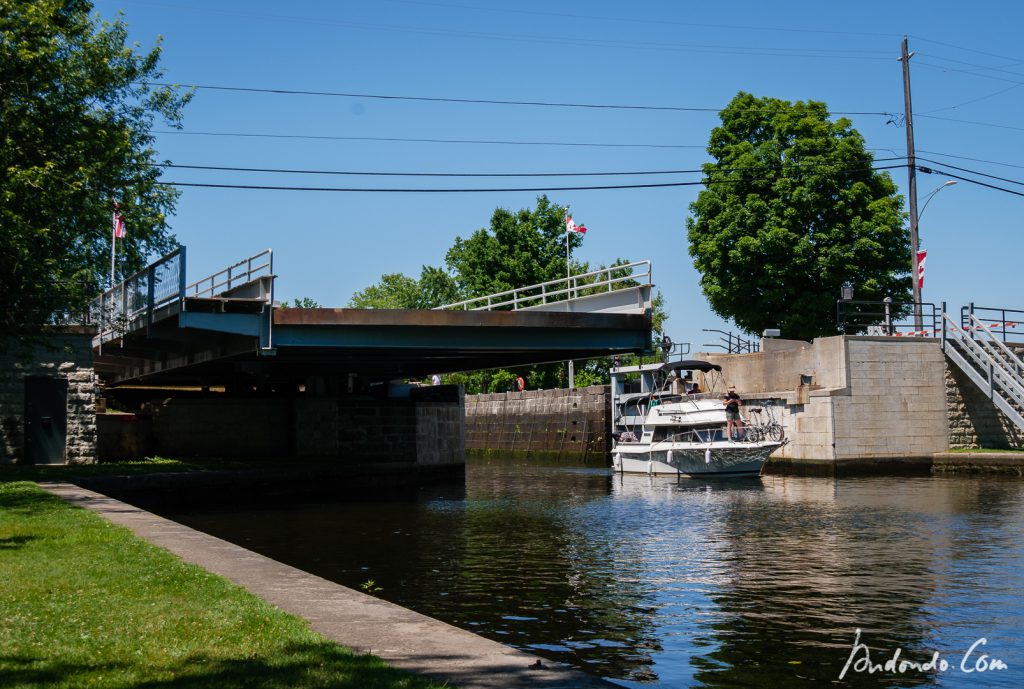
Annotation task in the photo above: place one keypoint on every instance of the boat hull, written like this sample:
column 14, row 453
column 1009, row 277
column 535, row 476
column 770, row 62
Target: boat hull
column 693, row 459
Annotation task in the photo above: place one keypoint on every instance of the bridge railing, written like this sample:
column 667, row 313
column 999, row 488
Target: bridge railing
column 572, row 287
column 245, row 271
column 130, row 305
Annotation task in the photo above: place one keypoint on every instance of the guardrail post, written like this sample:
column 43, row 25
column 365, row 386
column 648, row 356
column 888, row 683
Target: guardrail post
column 151, row 287
column 181, row 277
column 944, row 319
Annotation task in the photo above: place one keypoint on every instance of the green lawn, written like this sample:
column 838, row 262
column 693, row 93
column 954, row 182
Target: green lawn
column 84, row 603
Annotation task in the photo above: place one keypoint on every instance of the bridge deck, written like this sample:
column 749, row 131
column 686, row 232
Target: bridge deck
column 378, row 344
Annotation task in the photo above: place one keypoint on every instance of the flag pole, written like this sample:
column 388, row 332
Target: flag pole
column 113, row 242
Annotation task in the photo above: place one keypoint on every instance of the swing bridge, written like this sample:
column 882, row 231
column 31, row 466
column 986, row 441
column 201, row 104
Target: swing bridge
column 157, row 328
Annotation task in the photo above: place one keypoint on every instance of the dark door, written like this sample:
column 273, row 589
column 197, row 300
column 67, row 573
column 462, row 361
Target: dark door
column 46, row 419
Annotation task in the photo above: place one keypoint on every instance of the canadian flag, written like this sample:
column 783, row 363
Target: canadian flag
column 118, row 221
column 570, row 226
column 921, row 255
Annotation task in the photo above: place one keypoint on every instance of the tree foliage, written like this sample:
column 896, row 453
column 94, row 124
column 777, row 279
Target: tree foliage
column 76, row 109
column 791, row 210
column 518, row 249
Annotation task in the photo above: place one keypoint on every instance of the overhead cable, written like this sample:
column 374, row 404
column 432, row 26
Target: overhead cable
column 479, row 101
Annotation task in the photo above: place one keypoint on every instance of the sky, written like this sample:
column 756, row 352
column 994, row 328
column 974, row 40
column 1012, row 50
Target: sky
column 407, row 67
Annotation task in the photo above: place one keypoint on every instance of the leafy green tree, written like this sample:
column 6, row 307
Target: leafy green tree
column 518, row 249
column 302, row 303
column 791, row 210
column 76, row 108
column 394, row 291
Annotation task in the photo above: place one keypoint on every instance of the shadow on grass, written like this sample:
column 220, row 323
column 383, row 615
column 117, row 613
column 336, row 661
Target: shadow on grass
column 12, row 542
column 297, row 666
column 25, row 498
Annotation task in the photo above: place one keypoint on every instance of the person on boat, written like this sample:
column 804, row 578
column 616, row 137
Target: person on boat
column 732, row 404
column 695, row 389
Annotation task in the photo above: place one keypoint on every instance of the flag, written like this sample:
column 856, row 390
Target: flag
column 921, row 255
column 570, row 226
column 119, row 231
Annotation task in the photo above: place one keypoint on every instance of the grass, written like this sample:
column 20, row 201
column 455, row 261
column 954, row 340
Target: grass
column 85, row 603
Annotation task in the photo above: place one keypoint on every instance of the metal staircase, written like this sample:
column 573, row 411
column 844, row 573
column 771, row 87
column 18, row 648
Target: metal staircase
column 993, row 366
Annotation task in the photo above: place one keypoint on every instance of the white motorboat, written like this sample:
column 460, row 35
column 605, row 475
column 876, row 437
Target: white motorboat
column 662, row 426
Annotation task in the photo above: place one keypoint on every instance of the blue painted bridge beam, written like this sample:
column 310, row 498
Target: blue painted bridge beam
column 294, row 343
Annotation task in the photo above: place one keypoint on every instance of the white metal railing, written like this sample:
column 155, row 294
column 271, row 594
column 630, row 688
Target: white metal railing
column 993, row 366
column 241, row 273
column 572, row 287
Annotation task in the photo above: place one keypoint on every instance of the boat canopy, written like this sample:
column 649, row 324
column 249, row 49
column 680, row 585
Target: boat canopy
column 691, row 365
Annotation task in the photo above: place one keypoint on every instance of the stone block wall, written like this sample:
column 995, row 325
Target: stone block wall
column 348, row 429
column 850, row 398
column 66, row 354
column 558, row 424
column 238, row 427
column 974, row 421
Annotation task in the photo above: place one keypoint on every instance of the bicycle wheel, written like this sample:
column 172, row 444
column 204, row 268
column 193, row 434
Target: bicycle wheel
column 776, row 433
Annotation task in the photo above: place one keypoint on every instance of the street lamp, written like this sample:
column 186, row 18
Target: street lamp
column 915, row 275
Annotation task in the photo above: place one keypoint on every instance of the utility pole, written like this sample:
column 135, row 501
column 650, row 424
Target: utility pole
column 911, row 183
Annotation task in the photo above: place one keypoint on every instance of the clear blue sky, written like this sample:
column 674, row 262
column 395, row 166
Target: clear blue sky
column 967, row 78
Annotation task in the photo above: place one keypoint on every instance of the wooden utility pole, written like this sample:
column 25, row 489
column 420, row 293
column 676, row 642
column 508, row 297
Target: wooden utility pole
column 911, row 183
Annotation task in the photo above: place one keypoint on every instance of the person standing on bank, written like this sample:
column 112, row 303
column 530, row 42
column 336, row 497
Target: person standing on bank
column 732, row 404
column 520, row 383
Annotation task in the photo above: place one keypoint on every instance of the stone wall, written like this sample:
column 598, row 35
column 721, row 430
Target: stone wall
column 66, row 354
column 974, row 421
column 849, row 399
column 557, row 424
column 424, row 428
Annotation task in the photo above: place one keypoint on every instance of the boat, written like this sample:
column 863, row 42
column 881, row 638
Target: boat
column 662, row 425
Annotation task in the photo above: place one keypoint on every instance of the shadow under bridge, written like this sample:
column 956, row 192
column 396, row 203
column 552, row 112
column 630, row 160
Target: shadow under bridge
column 156, row 328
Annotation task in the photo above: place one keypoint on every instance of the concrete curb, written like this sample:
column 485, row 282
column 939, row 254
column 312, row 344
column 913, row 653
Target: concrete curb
column 406, row 639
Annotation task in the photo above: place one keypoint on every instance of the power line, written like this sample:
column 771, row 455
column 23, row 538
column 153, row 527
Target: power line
column 429, row 141
column 963, row 169
column 259, row 187
column 480, row 101
column 976, row 160
column 978, row 182
column 361, row 173
column 633, row 20
column 979, row 124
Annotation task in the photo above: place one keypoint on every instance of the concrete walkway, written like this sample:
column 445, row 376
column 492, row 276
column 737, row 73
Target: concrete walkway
column 404, row 638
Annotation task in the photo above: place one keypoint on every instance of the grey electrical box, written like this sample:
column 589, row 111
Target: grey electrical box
column 771, row 332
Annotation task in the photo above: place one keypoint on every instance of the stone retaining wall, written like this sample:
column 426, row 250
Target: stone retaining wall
column 424, row 428
column 556, row 424
column 974, row 421
column 67, row 355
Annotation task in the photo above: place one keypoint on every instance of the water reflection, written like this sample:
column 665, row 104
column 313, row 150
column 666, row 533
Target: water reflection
column 657, row 583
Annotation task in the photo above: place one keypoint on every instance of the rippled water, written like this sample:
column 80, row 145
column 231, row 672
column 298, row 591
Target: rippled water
column 653, row 582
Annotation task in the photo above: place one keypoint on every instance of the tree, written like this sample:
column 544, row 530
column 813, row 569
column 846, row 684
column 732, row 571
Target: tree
column 76, row 108
column 519, row 249
column 791, row 210
column 302, row 303
column 395, row 291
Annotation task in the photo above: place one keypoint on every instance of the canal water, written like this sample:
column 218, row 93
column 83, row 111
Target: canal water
column 652, row 582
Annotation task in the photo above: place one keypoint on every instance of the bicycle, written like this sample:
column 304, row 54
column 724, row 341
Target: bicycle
column 769, row 429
